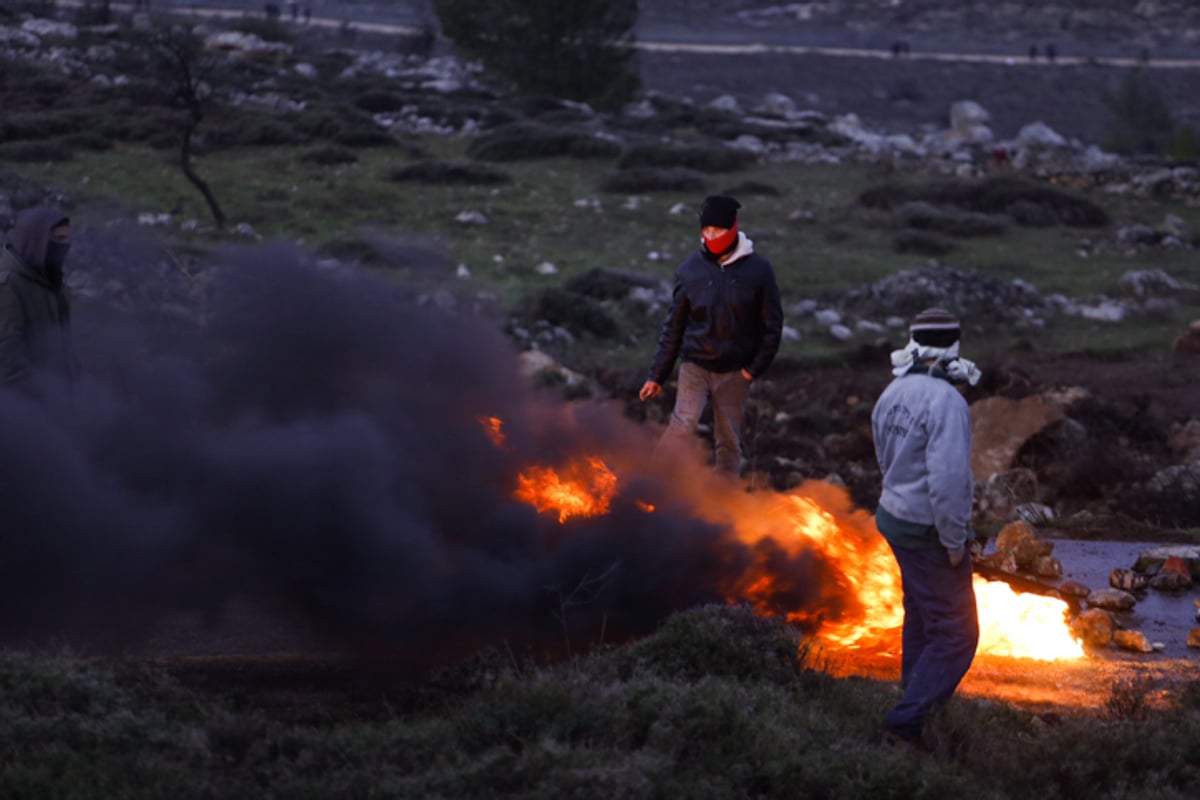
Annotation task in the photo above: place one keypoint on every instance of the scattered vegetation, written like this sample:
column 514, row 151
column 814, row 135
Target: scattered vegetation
column 964, row 224
column 700, row 158
column 450, row 173
column 328, row 155
column 992, row 196
column 653, row 179
column 718, row 703
column 520, row 141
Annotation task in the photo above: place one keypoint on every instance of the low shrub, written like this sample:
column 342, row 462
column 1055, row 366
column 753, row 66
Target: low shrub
column 38, row 125
column 270, row 132
column 444, row 173
column 606, row 284
column 91, row 141
column 365, row 137
column 924, row 243
column 269, row 30
column 991, row 196
column 696, row 157
column 50, row 150
column 576, row 312
column 752, row 188
column 153, row 123
column 653, row 179
column 952, row 222
column 589, row 146
column 328, row 155
column 715, row 640
column 379, row 102
column 527, row 140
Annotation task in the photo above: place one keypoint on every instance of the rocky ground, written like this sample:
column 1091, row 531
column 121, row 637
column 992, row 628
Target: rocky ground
column 1106, row 449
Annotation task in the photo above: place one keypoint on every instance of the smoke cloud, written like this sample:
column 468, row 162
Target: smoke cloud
column 306, row 438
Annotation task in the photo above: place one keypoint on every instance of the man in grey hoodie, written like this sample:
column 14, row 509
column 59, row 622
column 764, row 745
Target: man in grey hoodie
column 922, row 433
column 34, row 313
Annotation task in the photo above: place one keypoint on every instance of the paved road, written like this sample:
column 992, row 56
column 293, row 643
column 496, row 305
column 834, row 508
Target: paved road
column 406, row 20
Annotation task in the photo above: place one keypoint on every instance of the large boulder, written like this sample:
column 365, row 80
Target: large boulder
column 1000, row 426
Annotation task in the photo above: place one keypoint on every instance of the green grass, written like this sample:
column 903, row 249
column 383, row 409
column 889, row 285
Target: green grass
column 535, row 219
column 716, row 704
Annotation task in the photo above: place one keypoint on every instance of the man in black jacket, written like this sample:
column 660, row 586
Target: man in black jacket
column 725, row 323
column 34, row 313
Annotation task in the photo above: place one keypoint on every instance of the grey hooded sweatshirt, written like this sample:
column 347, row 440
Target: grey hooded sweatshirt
column 34, row 312
column 922, row 432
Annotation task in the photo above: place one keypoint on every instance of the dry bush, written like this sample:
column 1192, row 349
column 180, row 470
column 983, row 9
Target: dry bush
column 606, row 284
column 952, row 222
column 378, row 102
column 328, row 155
column 577, row 313
column 365, row 137
column 925, row 243
column 992, row 196
column 91, row 141
column 653, row 179
column 520, row 141
column 47, row 151
column 748, row 188
column 39, row 125
column 447, row 173
column 696, row 157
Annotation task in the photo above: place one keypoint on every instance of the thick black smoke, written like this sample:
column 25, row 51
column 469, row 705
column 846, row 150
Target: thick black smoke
column 307, row 436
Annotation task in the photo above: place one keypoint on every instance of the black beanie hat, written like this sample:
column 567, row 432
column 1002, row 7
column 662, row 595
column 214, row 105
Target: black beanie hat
column 719, row 211
column 935, row 327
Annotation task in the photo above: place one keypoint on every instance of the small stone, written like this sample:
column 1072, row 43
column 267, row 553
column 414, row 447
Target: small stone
column 1047, row 567
column 1094, row 627
column 1111, row 599
column 1073, row 589
column 1127, row 580
column 1133, row 641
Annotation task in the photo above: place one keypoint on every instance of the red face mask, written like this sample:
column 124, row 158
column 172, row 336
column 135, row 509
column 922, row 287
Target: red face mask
column 720, row 243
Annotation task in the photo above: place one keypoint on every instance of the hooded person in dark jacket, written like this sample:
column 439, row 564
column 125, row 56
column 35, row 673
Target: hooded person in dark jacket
column 725, row 324
column 34, row 312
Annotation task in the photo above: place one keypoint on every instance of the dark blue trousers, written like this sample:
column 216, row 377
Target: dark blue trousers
column 941, row 631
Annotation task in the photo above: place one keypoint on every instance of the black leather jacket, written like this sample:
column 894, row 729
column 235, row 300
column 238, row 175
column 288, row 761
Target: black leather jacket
column 722, row 318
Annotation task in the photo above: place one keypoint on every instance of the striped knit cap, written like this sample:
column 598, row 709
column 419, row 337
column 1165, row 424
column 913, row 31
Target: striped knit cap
column 935, row 327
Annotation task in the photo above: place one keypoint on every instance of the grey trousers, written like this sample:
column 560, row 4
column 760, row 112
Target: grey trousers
column 727, row 391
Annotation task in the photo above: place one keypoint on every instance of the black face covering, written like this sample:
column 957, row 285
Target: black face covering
column 56, row 256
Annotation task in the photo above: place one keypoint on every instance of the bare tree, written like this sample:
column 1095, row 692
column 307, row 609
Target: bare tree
column 187, row 73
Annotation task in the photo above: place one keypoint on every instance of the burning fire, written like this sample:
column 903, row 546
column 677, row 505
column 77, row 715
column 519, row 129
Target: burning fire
column 492, row 427
column 862, row 607
column 585, row 489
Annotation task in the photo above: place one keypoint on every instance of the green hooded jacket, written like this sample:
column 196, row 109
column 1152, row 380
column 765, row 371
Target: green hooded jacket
column 34, row 312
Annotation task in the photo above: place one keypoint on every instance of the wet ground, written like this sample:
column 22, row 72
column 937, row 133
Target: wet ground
column 1164, row 617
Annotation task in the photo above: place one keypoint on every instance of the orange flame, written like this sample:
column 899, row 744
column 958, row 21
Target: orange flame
column 871, row 614
column 585, row 489
column 860, row 607
column 492, row 427
column 1023, row 625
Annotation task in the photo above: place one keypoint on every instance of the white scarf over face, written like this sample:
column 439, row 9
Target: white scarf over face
column 946, row 358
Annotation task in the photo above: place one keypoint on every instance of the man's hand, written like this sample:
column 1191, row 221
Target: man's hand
column 650, row 390
column 746, row 374
column 956, row 555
